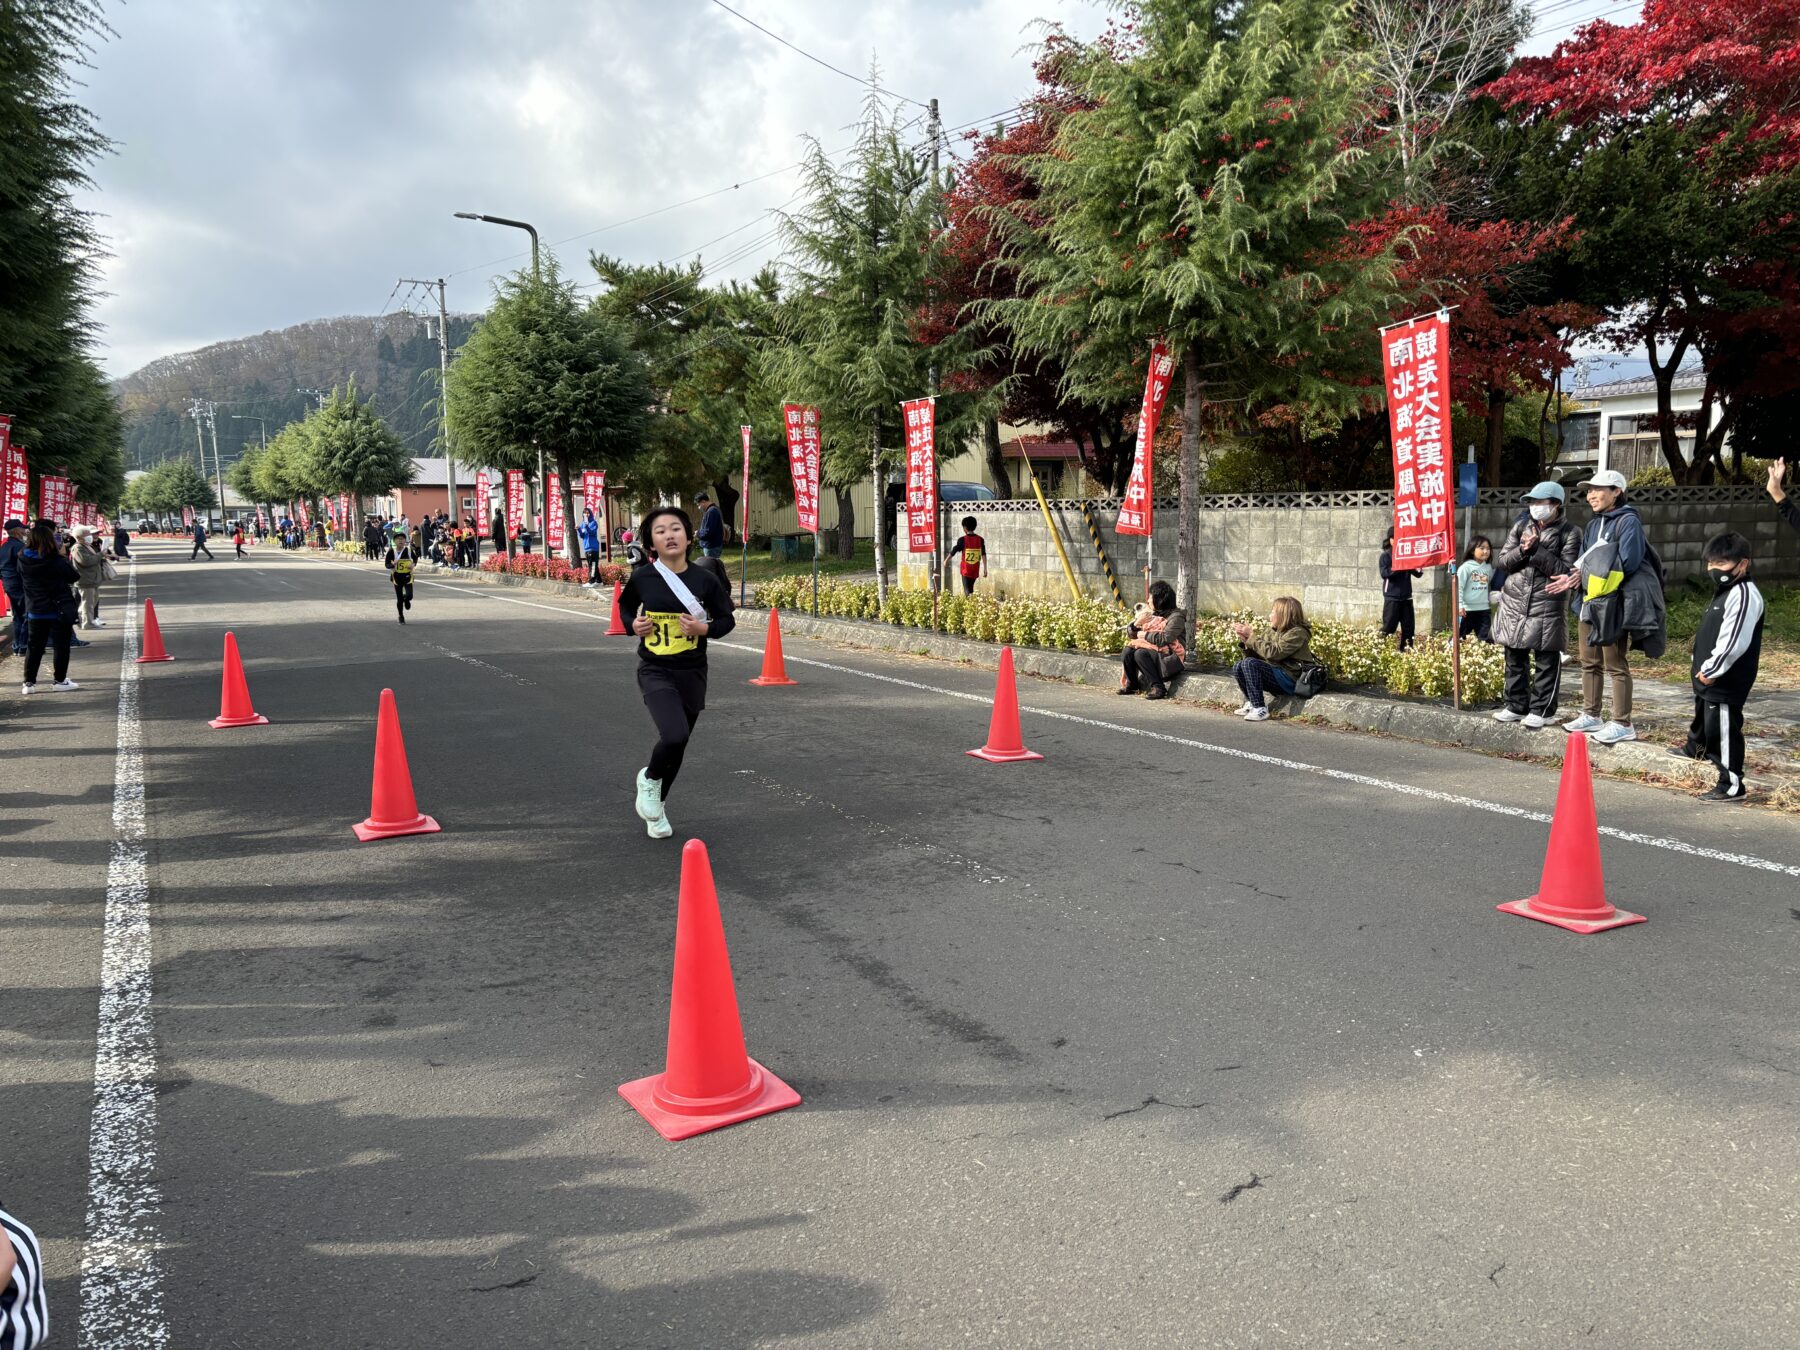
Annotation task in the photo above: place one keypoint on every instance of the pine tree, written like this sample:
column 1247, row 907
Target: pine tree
column 350, row 449
column 1205, row 195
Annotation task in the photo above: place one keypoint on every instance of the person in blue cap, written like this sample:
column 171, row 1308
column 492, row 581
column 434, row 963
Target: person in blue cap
column 1539, row 559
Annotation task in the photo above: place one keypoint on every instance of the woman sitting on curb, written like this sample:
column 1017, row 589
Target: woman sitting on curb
column 1154, row 653
column 1272, row 656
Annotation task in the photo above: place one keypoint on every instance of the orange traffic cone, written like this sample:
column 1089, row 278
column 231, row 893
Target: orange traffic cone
column 710, row 1081
column 1004, row 743
column 234, row 693
column 1572, row 893
column 153, row 643
column 774, row 669
column 617, row 627
column 393, row 810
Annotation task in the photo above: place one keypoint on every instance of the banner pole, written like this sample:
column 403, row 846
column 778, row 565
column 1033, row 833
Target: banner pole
column 1456, row 700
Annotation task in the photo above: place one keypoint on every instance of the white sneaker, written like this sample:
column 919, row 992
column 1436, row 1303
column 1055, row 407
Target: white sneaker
column 649, row 797
column 1614, row 732
column 1257, row 715
column 97, row 623
column 1243, row 709
column 1534, row 721
column 1585, row 723
column 28, row 689
column 659, row 828
column 64, row 686
column 1508, row 715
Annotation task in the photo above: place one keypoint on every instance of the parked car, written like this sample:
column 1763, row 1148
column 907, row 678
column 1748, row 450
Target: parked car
column 966, row 492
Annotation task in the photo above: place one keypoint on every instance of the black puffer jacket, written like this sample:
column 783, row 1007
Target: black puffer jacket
column 47, row 583
column 1530, row 617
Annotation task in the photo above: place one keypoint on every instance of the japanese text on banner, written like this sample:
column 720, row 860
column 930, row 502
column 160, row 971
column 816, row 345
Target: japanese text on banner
column 593, row 494
column 1415, row 359
column 484, row 504
column 803, row 461
column 554, row 524
column 54, row 499
column 1137, row 513
column 15, row 481
column 515, row 501
column 920, row 415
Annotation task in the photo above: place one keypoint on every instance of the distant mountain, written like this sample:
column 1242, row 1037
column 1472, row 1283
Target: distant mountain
column 392, row 358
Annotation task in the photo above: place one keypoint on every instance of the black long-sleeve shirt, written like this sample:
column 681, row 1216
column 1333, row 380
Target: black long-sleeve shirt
column 667, row 645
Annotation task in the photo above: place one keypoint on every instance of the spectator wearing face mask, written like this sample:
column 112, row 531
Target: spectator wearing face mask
column 1533, row 623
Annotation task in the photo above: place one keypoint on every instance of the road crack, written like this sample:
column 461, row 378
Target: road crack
column 1149, row 1102
column 1254, row 1184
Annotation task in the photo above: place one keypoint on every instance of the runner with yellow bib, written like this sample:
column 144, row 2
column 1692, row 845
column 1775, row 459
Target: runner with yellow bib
column 402, row 562
column 676, row 608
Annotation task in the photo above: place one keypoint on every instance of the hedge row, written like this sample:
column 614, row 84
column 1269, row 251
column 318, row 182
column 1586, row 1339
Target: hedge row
column 1354, row 654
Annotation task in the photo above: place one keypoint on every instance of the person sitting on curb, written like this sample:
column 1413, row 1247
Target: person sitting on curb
column 1273, row 656
column 1612, row 550
column 1539, row 560
column 1783, row 503
column 1154, row 653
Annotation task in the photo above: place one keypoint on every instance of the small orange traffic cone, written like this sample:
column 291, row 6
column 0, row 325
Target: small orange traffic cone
column 234, row 693
column 617, row 627
column 774, row 669
column 710, row 1081
column 153, row 643
column 1572, row 893
column 393, row 810
column 1004, row 743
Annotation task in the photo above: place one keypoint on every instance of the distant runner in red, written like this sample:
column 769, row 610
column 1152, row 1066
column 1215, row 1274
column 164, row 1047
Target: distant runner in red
column 973, row 549
column 237, row 539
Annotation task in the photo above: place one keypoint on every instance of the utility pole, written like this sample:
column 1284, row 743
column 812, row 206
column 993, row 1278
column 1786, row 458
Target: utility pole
column 937, row 507
column 212, row 427
column 443, row 385
column 196, row 408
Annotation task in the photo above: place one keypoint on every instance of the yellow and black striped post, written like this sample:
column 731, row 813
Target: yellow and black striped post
column 1087, row 514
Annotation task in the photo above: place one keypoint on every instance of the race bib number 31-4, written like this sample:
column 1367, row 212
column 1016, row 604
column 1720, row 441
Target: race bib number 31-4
column 665, row 637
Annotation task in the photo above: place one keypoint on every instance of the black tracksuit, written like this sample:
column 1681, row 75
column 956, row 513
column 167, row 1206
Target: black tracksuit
column 401, row 576
column 1727, row 648
column 672, row 667
column 1397, row 599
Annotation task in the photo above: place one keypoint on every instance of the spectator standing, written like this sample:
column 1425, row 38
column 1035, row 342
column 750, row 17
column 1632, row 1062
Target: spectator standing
column 1154, row 651
column 588, row 532
column 1474, row 590
column 1273, row 656
column 90, row 568
column 711, row 534
column 1533, row 624
column 972, row 549
column 12, row 581
column 50, row 604
column 1396, row 595
column 1727, row 649
column 1604, row 569
column 121, row 541
column 1784, row 505
column 200, row 541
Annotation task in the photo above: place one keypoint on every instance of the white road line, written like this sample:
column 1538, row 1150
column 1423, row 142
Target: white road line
column 1275, row 761
column 121, row 1276
column 1300, row 766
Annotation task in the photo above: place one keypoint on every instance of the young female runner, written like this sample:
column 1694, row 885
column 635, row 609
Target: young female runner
column 677, row 607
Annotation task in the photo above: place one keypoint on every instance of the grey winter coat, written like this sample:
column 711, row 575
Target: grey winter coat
column 1530, row 618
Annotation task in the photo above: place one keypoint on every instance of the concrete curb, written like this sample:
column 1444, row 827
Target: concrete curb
column 1385, row 715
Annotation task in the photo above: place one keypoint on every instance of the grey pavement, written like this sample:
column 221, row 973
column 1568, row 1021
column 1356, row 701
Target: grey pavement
column 1148, row 1044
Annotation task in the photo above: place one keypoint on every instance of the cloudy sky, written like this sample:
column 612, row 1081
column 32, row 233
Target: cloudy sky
column 287, row 161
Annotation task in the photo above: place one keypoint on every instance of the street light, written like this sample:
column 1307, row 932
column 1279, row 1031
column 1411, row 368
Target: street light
column 543, row 487
column 240, row 417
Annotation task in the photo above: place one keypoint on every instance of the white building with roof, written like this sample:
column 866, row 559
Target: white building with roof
column 1617, row 428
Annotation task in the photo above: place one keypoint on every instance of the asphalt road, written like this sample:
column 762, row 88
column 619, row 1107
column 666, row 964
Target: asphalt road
column 1148, row 1044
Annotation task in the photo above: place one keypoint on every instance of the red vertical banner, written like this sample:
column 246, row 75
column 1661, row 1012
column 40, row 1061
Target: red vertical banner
column 484, row 503
column 1137, row 513
column 55, row 497
column 1415, row 358
column 744, row 530
column 343, row 512
column 920, row 416
column 305, row 514
column 15, row 480
column 593, row 496
column 554, row 525
column 803, row 461
column 262, row 522
column 515, row 501
column 187, row 516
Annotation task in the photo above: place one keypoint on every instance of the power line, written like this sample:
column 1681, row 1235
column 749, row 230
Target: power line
column 867, row 84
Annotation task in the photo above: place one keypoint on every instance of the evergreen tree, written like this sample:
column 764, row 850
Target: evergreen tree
column 1205, row 194
column 545, row 372
column 860, row 249
column 350, row 449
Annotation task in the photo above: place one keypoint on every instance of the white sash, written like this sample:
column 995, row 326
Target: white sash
column 683, row 595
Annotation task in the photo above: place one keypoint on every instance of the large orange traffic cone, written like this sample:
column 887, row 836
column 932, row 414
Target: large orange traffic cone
column 234, row 693
column 710, row 1081
column 1572, row 893
column 153, row 643
column 1004, row 743
column 617, row 627
column 774, row 669
column 393, row 810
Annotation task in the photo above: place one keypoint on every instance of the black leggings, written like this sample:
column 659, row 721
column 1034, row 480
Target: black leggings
column 1398, row 615
column 675, row 698
column 403, row 595
column 55, row 634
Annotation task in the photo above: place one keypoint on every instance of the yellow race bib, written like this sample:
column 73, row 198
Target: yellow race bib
column 665, row 637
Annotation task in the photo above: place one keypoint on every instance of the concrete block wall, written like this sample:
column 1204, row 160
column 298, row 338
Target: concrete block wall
column 1322, row 547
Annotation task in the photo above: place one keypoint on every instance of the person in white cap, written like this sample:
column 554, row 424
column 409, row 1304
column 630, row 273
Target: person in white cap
column 90, row 565
column 1615, row 523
